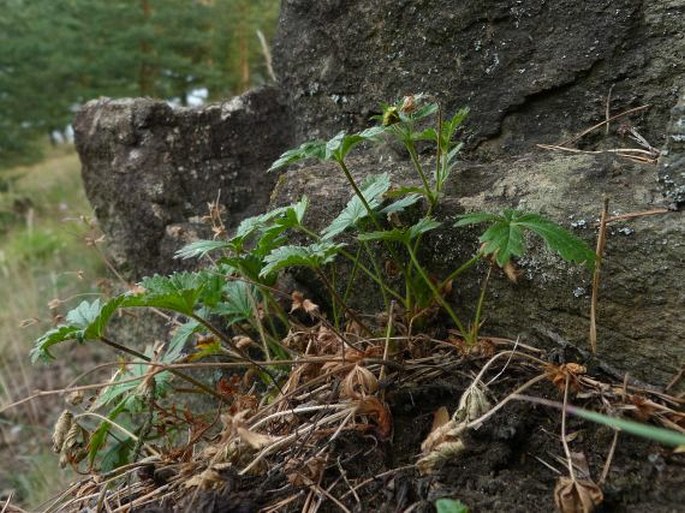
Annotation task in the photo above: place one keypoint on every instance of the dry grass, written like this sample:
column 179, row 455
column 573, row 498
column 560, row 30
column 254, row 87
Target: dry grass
column 42, row 257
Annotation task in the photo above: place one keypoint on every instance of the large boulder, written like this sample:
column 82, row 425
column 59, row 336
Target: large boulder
column 150, row 171
column 530, row 71
column 640, row 316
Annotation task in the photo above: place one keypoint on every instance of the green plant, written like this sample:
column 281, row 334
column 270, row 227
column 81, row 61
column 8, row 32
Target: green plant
column 237, row 299
column 450, row 506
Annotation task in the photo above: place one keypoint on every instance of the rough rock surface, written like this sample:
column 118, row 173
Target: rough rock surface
column 641, row 314
column 531, row 72
column 150, row 170
column 672, row 161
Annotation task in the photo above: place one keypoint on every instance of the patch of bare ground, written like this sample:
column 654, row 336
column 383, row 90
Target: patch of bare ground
column 392, row 425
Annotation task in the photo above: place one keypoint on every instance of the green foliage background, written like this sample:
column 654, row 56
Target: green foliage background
column 57, row 54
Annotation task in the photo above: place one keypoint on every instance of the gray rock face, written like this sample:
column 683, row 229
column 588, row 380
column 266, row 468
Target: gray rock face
column 641, row 312
column 531, row 72
column 672, row 161
column 150, row 171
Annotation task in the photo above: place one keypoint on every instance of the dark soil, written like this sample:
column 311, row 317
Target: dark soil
column 510, row 464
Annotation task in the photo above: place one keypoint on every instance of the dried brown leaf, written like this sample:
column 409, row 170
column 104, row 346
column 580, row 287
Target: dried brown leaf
column 430, row 462
column 577, row 496
column 205, row 480
column 360, row 382
column 305, row 473
column 373, row 407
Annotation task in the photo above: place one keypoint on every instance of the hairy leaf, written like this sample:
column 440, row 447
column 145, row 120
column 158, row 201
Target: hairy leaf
column 504, row 239
column 41, row 348
column 569, row 247
column 201, row 248
column 308, row 150
column 83, row 314
column 178, row 341
column 314, row 256
column 240, row 300
column 372, row 190
column 401, row 204
column 179, row 292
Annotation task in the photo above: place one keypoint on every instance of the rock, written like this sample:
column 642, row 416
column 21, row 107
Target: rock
column 531, row 72
column 640, row 314
column 150, row 170
column 672, row 161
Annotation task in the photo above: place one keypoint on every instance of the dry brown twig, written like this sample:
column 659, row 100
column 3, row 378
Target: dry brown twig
column 599, row 125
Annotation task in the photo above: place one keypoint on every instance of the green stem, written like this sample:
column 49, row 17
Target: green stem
column 359, row 194
column 372, row 215
column 436, row 293
column 413, row 155
column 336, row 297
column 353, row 275
column 375, row 277
column 479, row 308
column 460, row 269
column 438, row 154
column 175, row 372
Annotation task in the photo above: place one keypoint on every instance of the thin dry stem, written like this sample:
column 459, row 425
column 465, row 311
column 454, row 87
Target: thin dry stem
column 610, row 458
column 633, row 215
column 564, row 442
column 599, row 125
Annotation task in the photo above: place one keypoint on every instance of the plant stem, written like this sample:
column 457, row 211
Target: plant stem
column 376, row 277
column 479, row 308
column 175, row 372
column 413, row 155
column 359, row 194
column 436, row 293
column 460, row 269
column 336, row 297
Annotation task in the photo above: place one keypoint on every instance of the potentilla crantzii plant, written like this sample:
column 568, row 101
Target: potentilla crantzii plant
column 234, row 305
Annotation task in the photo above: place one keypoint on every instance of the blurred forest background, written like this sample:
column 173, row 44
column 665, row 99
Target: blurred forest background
column 54, row 56
column 57, row 54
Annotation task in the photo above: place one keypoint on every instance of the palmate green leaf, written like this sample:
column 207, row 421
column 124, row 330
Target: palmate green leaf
column 424, row 225
column 264, row 230
column 477, row 218
column 41, row 347
column 342, row 143
column 83, row 314
column 504, row 239
column 85, row 322
column 373, row 190
column 178, row 341
column 405, row 235
column 308, row 150
column 201, row 248
column 401, row 204
column 313, row 256
column 240, row 300
column 179, row 292
column 569, row 247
